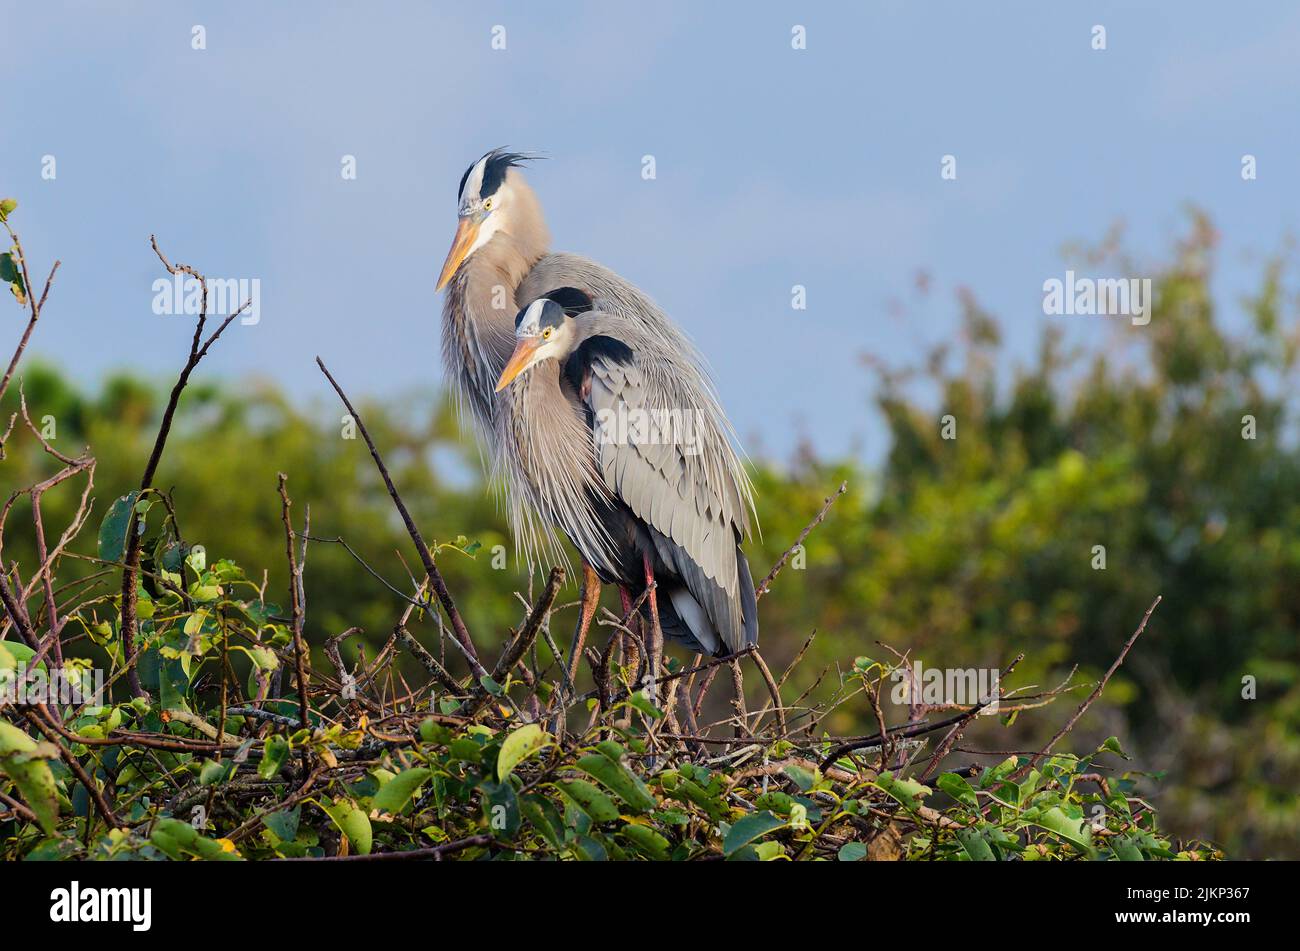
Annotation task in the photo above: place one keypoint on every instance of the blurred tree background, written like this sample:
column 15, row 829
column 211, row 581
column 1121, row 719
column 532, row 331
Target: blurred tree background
column 963, row 551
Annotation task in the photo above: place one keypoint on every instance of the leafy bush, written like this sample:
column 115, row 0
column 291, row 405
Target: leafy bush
column 370, row 777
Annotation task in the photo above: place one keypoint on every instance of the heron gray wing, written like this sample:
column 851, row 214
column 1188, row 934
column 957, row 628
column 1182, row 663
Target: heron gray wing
column 669, row 466
column 677, row 368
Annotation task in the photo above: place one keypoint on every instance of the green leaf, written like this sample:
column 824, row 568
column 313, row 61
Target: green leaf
column 590, row 800
column 465, row 749
column 25, row 762
column 958, row 788
column 264, row 657
column 7, row 206
column 1126, row 851
column 172, row 683
column 701, row 797
column 171, row 837
column 1025, row 789
column 976, row 846
column 775, row 801
column 751, row 827
column 113, row 529
column 619, row 780
column 1074, row 831
column 852, row 852
column 538, row 811
column 285, row 823
column 1112, row 746
column 214, row 773
column 274, row 753
column 589, row 850
column 353, row 823
column 204, row 593
column 176, row 839
column 646, row 841
column 15, row 653
column 397, row 792
column 431, row 731
column 805, row 779
column 611, row 750
column 907, row 791
column 642, row 702
column 501, row 809
column 181, row 832
column 994, row 774
column 518, row 746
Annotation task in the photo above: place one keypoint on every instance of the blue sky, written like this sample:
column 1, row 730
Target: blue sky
column 775, row 167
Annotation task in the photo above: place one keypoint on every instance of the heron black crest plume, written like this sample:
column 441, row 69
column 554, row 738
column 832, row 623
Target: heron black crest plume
column 495, row 164
column 571, row 299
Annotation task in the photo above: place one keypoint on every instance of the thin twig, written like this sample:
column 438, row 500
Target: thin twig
column 426, row 557
column 766, row 583
column 296, row 596
column 131, row 559
column 1101, row 685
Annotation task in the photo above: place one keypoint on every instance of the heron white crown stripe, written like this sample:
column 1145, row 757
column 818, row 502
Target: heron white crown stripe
column 474, row 183
column 533, row 316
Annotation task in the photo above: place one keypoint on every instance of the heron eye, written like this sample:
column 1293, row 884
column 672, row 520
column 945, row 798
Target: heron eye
column 546, row 334
column 487, row 205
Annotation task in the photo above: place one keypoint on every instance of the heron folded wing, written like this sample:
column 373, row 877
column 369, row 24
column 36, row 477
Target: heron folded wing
column 683, row 376
column 671, row 480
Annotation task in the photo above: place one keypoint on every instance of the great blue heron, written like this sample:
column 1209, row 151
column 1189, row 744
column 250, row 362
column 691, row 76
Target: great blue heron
column 500, row 261
column 594, row 419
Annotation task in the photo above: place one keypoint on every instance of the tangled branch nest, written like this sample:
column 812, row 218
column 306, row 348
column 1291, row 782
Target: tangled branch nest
column 226, row 741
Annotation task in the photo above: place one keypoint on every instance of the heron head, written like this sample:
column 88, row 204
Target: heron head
column 488, row 192
column 543, row 330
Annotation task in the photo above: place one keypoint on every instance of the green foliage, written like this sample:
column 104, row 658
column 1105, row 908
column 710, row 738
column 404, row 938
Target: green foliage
column 26, row 763
column 974, row 548
column 427, row 790
column 11, row 271
column 491, row 786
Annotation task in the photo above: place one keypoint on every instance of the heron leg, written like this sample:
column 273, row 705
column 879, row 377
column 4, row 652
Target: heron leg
column 654, row 639
column 588, row 601
column 631, row 653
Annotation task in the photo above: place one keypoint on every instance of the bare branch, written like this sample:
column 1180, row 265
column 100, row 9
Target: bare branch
column 435, row 576
column 766, row 583
column 1101, row 685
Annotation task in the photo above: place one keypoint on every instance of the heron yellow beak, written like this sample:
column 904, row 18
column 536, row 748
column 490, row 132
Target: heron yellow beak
column 520, row 360
column 466, row 233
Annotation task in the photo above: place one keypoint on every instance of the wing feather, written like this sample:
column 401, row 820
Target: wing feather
column 673, row 483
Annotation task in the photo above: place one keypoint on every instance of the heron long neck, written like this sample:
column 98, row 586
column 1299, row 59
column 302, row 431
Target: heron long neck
column 478, row 316
column 552, row 440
